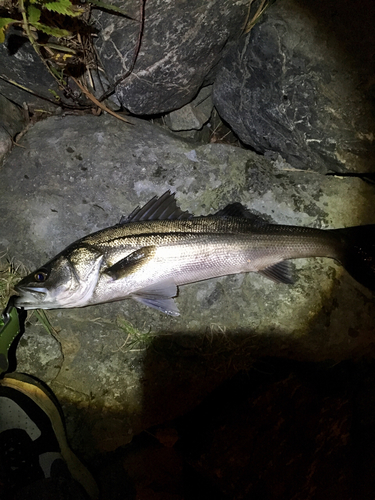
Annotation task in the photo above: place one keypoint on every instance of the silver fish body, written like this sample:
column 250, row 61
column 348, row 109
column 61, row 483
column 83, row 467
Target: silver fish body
column 158, row 247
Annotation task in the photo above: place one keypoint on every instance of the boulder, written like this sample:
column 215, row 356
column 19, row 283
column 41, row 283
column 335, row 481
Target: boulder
column 181, row 43
column 301, row 85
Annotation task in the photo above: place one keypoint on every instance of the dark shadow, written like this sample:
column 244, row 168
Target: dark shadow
column 14, row 43
column 270, row 427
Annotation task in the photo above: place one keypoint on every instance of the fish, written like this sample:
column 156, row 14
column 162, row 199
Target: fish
column 159, row 247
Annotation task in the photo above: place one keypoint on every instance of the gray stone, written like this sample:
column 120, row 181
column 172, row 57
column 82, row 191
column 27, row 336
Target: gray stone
column 12, row 121
column 123, row 367
column 301, row 85
column 181, row 43
column 192, row 116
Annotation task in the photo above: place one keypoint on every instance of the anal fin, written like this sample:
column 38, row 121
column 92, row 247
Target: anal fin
column 280, row 272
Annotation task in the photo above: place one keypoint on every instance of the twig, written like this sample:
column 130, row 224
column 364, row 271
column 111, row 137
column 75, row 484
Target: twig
column 247, row 17
column 262, row 7
column 27, row 29
column 100, row 104
column 56, row 103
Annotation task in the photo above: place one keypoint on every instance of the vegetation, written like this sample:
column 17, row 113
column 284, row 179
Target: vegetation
column 9, row 275
column 253, row 17
column 135, row 340
column 60, row 33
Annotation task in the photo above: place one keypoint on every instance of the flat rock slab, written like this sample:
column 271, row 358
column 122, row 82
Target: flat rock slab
column 119, row 368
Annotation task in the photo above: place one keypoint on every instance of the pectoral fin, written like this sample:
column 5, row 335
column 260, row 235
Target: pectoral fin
column 160, row 297
column 280, row 273
column 130, row 263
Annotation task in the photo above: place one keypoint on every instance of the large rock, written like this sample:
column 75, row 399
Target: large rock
column 301, row 85
column 181, row 43
column 122, row 367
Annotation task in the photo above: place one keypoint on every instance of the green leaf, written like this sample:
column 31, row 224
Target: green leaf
column 55, row 94
column 60, row 76
column 60, row 48
column 4, row 21
column 64, row 7
column 108, row 6
column 57, row 32
column 33, row 14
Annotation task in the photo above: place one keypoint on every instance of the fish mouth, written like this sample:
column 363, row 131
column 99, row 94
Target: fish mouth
column 29, row 297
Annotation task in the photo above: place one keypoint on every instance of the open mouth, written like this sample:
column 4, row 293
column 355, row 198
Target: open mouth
column 29, row 295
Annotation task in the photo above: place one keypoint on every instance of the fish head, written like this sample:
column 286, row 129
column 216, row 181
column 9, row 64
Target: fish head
column 68, row 280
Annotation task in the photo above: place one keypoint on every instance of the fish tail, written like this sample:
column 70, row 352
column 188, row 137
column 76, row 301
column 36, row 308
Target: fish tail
column 358, row 253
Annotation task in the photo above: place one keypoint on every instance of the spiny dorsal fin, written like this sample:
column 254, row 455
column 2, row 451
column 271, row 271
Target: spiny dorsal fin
column 280, row 272
column 162, row 208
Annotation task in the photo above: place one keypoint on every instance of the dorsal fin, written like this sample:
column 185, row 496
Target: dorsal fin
column 238, row 210
column 162, row 208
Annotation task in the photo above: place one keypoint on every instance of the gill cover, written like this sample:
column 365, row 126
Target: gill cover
column 68, row 280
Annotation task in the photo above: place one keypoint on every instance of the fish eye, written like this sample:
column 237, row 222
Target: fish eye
column 40, row 276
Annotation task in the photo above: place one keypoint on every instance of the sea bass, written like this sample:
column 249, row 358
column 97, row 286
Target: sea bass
column 158, row 247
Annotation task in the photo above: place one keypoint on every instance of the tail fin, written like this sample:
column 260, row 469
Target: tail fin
column 358, row 253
